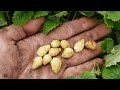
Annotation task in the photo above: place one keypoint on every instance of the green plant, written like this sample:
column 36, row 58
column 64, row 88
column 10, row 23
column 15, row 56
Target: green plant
column 56, row 18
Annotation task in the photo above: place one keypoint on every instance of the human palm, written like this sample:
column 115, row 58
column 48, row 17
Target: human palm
column 19, row 44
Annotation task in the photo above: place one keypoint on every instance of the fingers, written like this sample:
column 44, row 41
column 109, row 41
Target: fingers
column 78, row 58
column 66, row 30
column 72, row 28
column 77, row 70
column 43, row 72
column 84, row 56
column 17, row 33
column 94, row 34
column 33, row 26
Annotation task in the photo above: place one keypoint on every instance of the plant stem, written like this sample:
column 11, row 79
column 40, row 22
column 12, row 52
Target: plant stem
column 74, row 15
column 50, row 13
column 68, row 15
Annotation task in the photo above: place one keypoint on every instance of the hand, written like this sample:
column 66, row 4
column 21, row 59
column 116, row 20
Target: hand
column 19, row 44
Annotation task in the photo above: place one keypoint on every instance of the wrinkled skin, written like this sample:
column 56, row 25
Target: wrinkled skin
column 18, row 46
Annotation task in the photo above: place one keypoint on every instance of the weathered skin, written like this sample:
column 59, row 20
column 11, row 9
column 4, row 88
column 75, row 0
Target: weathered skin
column 18, row 46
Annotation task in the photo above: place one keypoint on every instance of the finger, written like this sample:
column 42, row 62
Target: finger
column 17, row 33
column 60, row 33
column 78, row 70
column 93, row 34
column 43, row 72
column 33, row 26
column 75, row 26
column 66, row 30
column 72, row 28
column 84, row 56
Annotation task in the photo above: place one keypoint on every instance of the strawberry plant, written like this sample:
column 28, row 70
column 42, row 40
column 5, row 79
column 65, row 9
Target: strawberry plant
column 110, row 45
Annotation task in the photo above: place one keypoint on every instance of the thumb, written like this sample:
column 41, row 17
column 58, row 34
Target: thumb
column 17, row 33
column 31, row 27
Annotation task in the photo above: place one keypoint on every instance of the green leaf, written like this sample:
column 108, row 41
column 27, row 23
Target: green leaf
column 49, row 25
column 62, row 13
column 117, row 25
column 53, row 21
column 58, row 16
column 87, row 13
column 88, row 75
column 40, row 13
column 73, row 77
column 113, row 51
column 84, row 75
column 114, row 58
column 2, row 22
column 53, row 18
column 109, row 23
column 117, row 33
column 2, row 19
column 107, row 45
column 113, row 15
column 112, row 72
column 103, row 13
column 96, row 69
column 21, row 17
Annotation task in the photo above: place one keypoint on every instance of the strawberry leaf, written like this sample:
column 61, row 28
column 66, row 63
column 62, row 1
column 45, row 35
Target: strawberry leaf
column 113, row 58
column 49, row 25
column 21, row 17
column 112, row 72
column 40, row 13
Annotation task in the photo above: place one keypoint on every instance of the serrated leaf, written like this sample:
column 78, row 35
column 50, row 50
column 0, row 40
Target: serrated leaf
column 40, row 13
column 2, row 22
column 113, row 51
column 112, row 72
column 87, row 13
column 84, row 75
column 21, row 17
column 107, row 45
column 73, row 77
column 117, row 33
column 113, row 15
column 102, row 12
column 53, row 18
column 109, row 23
column 49, row 25
column 2, row 19
column 62, row 13
column 117, row 25
column 88, row 75
column 113, row 59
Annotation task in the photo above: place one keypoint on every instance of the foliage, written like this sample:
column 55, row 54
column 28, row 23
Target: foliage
column 55, row 18
column 21, row 17
column 107, row 45
column 112, row 72
column 49, row 25
column 40, row 14
column 113, row 58
column 93, row 74
column 84, row 75
column 2, row 19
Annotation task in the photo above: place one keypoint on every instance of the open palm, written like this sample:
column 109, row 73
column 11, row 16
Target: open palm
column 18, row 46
